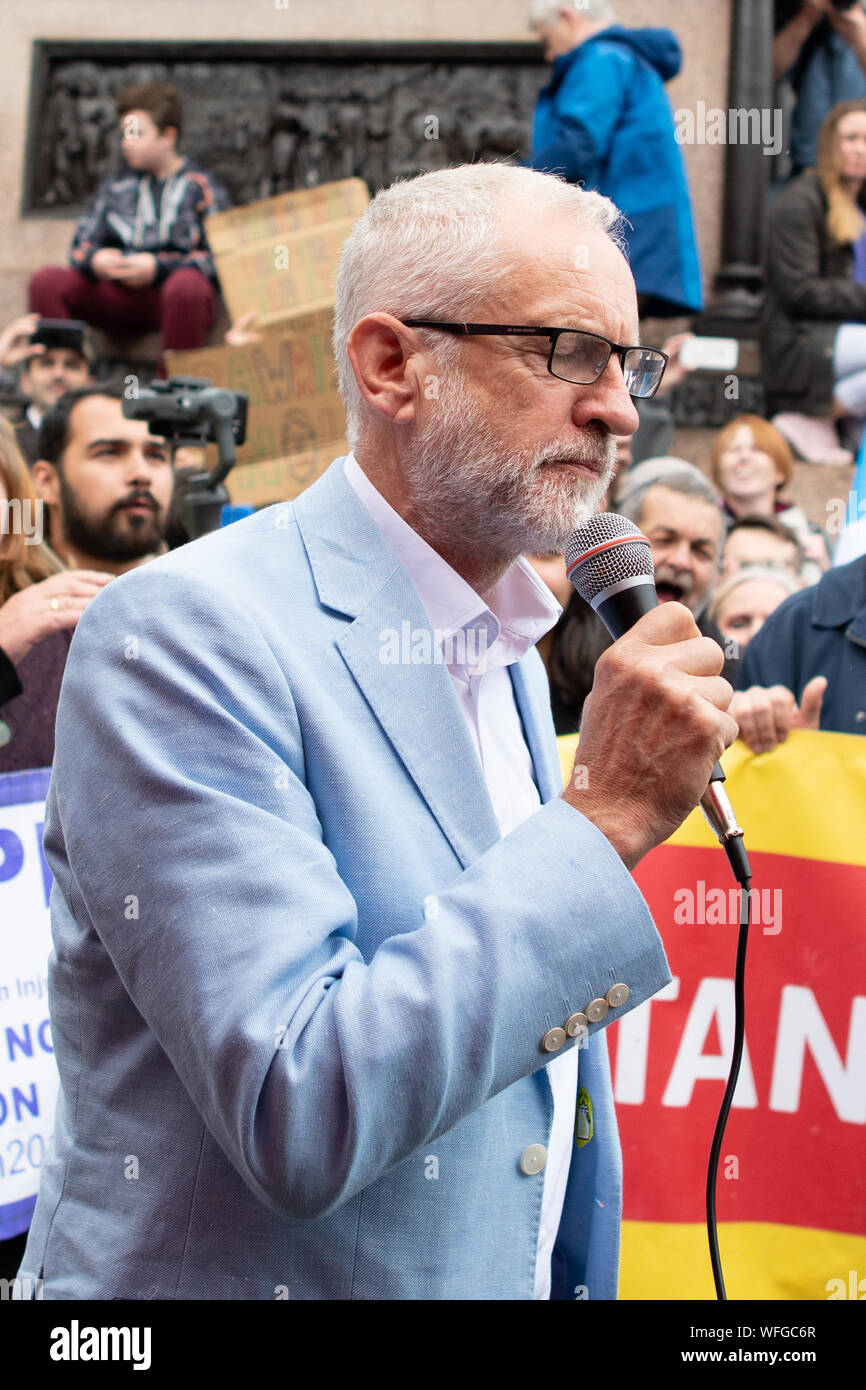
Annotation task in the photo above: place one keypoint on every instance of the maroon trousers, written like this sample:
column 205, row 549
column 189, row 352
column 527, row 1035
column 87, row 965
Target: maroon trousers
column 183, row 307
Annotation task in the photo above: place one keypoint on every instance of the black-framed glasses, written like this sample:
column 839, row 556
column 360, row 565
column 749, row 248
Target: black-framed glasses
column 575, row 355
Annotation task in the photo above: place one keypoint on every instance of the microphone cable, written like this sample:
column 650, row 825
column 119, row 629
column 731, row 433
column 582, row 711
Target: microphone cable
column 736, row 1059
column 609, row 562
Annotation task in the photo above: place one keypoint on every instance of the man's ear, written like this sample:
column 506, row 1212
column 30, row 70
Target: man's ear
column 381, row 350
column 46, row 482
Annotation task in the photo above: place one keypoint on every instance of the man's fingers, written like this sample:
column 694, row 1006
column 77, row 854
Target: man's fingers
column 672, row 626
column 730, row 729
column 669, row 622
column 716, row 690
column 764, row 716
column 809, row 716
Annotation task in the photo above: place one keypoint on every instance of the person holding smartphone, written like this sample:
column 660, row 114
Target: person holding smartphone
column 53, row 356
column 820, row 45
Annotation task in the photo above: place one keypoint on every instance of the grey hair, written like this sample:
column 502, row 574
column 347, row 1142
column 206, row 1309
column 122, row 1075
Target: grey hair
column 432, row 247
column 545, row 11
column 651, row 470
column 687, row 480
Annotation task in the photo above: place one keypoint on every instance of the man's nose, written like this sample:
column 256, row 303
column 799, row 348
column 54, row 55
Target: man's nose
column 140, row 470
column 607, row 400
column 679, row 555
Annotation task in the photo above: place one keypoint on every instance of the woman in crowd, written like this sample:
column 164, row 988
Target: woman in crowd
column 40, row 603
column 813, row 336
column 743, row 602
column 751, row 467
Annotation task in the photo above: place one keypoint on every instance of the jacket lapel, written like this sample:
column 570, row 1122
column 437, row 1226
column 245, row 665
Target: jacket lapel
column 532, row 694
column 357, row 574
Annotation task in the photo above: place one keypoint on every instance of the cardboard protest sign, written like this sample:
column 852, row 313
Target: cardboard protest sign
column 280, row 257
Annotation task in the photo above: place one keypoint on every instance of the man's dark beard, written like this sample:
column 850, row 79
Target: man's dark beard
column 103, row 539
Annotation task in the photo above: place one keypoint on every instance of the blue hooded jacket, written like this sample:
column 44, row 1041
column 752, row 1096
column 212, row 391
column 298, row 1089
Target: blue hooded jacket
column 604, row 119
column 820, row 631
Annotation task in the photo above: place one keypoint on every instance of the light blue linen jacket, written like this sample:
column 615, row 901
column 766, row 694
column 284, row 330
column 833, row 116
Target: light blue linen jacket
column 265, row 1037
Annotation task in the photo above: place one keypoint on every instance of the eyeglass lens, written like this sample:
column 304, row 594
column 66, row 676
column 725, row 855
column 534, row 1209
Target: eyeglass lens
column 582, row 358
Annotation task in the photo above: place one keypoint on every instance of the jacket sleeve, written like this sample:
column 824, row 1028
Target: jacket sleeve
column 796, row 240
column 206, row 197
column 91, row 234
column 316, row 1069
column 587, row 108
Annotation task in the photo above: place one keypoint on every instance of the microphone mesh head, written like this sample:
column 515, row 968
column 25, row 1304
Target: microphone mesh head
column 629, row 557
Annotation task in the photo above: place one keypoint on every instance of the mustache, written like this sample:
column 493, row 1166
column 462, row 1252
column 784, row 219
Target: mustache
column 597, row 446
column 146, row 497
column 666, row 574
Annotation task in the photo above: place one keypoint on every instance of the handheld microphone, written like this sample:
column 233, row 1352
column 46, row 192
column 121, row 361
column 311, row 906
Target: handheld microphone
column 609, row 562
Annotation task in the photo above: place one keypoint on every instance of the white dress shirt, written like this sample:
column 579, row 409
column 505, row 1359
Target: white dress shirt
column 478, row 643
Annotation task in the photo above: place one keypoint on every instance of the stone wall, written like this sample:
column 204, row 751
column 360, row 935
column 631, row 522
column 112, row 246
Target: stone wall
column 26, row 243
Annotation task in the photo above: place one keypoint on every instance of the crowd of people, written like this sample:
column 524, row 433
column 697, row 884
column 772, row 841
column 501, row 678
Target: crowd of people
column 729, row 540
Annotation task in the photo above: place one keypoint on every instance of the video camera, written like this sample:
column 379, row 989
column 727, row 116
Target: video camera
column 189, row 411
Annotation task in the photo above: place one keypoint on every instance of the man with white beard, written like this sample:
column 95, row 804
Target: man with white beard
column 334, row 949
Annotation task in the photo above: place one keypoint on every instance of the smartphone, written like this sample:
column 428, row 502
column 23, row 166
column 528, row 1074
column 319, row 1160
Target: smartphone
column 61, row 333
column 710, row 354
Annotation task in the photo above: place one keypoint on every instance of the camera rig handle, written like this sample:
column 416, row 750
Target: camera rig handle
column 189, row 411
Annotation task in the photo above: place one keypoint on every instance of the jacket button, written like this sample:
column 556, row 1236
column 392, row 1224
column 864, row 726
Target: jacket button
column 553, row 1041
column 617, row 996
column 533, row 1159
column 597, row 1010
column 5, row 734
column 575, row 1025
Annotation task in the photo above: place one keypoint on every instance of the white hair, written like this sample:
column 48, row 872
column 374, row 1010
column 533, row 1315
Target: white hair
column 433, row 247
column 677, row 475
column 545, row 11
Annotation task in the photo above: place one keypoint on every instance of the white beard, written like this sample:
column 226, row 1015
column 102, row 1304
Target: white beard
column 505, row 503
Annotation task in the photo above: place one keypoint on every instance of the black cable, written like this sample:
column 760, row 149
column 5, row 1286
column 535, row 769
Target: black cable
column 739, row 1037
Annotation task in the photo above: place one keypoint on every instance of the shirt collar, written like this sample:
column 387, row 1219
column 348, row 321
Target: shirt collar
column 521, row 609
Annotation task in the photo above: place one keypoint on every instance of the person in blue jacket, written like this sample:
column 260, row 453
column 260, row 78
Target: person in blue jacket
column 811, row 650
column 604, row 120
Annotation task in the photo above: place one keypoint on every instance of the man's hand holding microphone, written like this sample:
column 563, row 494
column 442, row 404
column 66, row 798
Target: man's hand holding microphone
column 654, row 725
